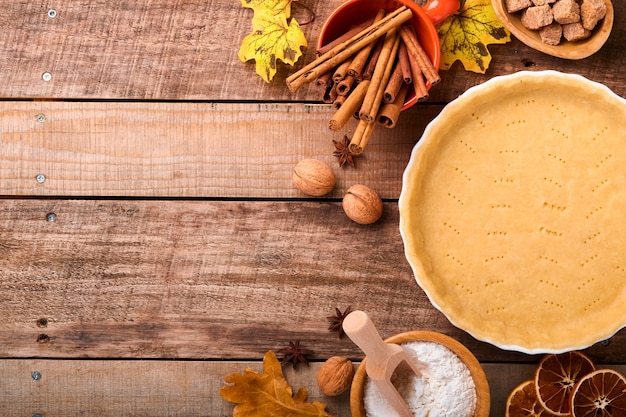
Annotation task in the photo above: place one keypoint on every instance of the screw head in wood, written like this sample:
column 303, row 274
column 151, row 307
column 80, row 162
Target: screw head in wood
column 41, row 178
column 41, row 118
column 51, row 217
column 36, row 375
column 46, row 76
column 52, row 13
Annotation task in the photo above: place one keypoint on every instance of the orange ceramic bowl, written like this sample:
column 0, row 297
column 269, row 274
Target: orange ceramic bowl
column 355, row 12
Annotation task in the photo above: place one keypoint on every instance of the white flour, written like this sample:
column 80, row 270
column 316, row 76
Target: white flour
column 445, row 389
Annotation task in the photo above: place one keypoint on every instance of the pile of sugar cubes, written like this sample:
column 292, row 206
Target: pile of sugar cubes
column 556, row 19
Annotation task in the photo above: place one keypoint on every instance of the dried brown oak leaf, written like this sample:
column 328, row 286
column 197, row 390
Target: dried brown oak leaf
column 268, row 393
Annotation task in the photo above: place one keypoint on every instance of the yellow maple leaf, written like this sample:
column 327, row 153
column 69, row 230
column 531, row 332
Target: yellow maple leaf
column 274, row 36
column 268, row 393
column 272, row 6
column 465, row 35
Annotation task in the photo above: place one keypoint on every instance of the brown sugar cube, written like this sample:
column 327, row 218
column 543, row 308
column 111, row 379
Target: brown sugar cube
column 591, row 12
column 566, row 11
column 575, row 32
column 513, row 6
column 536, row 17
column 542, row 2
column 551, row 34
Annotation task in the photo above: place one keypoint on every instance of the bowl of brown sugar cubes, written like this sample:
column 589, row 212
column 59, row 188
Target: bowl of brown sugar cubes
column 570, row 29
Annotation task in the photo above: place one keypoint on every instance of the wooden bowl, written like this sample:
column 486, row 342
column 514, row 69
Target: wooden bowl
column 483, row 396
column 568, row 50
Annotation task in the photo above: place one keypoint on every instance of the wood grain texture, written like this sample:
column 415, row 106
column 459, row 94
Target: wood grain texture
column 179, row 279
column 74, row 388
column 132, row 388
column 188, row 149
column 146, row 49
column 205, row 279
column 187, row 50
column 178, row 234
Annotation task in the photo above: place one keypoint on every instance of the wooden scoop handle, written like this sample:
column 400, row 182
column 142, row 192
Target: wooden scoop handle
column 360, row 328
column 382, row 358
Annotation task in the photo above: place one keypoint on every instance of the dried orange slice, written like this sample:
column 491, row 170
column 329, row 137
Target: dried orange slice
column 601, row 393
column 555, row 378
column 522, row 402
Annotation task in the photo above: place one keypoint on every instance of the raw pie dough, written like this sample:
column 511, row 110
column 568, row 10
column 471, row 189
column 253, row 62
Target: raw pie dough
column 512, row 212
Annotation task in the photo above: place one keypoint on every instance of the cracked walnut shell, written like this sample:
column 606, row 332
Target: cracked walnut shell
column 313, row 177
column 335, row 376
column 362, row 204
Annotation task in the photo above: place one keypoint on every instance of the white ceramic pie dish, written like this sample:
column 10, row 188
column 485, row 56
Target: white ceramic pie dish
column 522, row 272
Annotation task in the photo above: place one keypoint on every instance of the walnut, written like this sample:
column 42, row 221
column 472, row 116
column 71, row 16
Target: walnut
column 335, row 376
column 313, row 177
column 362, row 204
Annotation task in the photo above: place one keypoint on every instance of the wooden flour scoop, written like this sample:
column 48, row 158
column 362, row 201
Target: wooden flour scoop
column 382, row 358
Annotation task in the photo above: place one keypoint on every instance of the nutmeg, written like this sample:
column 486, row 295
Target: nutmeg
column 313, row 177
column 362, row 204
column 335, row 376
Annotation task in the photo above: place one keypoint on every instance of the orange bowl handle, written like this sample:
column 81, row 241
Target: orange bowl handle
column 440, row 10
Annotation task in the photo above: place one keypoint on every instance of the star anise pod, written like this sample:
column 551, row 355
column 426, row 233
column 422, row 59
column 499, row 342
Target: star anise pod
column 342, row 151
column 295, row 354
column 336, row 321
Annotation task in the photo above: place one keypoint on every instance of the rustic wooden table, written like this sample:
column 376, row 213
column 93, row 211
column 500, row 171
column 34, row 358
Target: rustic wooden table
column 151, row 239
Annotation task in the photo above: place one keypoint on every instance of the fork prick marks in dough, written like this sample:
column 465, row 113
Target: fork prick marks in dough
column 451, row 228
column 554, row 182
column 603, row 160
column 467, row 146
column 456, row 199
column 550, row 232
column 454, row 258
column 594, row 212
column 600, row 133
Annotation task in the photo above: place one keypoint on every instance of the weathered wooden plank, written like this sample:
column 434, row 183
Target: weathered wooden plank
column 187, row 149
column 165, row 49
column 184, row 279
column 69, row 388
column 73, row 388
column 181, row 50
column 205, row 279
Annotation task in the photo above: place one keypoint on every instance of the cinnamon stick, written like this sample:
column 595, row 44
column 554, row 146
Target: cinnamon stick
column 339, row 101
column 360, row 59
column 417, row 53
column 344, row 86
column 396, row 81
column 347, row 49
column 341, row 71
column 403, row 57
column 349, row 107
column 346, row 36
column 361, row 137
column 390, row 112
column 419, row 85
column 330, row 94
column 324, row 79
column 372, row 60
column 380, row 78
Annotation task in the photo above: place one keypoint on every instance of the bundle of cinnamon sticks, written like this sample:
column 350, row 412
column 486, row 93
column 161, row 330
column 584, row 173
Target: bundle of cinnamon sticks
column 368, row 72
